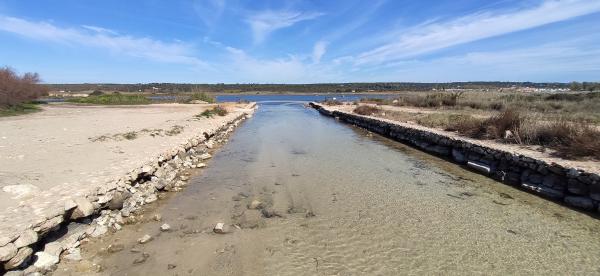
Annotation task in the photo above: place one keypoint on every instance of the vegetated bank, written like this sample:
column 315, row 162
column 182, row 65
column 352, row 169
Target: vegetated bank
column 557, row 181
column 566, row 123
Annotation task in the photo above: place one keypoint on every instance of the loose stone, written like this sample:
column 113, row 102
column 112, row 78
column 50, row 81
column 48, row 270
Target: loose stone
column 145, row 239
column 165, row 227
column 219, row 228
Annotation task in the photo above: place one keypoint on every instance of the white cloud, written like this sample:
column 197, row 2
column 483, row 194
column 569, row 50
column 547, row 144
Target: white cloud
column 560, row 61
column 291, row 69
column 99, row 29
column 91, row 36
column 265, row 22
column 209, row 11
column 434, row 36
column 318, row 51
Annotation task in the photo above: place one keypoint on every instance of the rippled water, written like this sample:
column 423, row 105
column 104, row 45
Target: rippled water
column 351, row 203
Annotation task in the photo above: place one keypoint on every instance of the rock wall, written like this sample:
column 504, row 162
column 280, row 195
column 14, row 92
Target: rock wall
column 109, row 208
column 575, row 188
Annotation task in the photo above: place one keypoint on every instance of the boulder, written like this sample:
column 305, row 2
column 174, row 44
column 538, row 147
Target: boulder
column 22, row 256
column 580, row 202
column 7, row 252
column 458, row 156
column 116, row 203
column 99, row 231
column 577, row 187
column 74, row 255
column 26, row 238
column 53, row 248
column 84, row 208
column 45, row 261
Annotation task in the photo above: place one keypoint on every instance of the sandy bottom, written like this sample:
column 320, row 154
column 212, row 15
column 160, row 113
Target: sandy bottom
column 344, row 202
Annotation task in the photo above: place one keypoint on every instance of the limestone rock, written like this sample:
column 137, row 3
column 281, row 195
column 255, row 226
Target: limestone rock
column 205, row 156
column 26, row 238
column 53, row 248
column 165, row 227
column 145, row 239
column 21, row 257
column 70, row 205
column 117, row 200
column 99, row 231
column 44, row 260
column 74, row 255
column 7, row 252
column 219, row 228
column 84, row 208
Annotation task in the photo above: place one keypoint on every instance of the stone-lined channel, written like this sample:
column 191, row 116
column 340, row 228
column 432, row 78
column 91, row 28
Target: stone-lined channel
column 339, row 200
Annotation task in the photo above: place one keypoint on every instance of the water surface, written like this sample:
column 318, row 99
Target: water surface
column 345, row 202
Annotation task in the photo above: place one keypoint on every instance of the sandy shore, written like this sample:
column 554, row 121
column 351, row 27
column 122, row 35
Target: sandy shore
column 68, row 151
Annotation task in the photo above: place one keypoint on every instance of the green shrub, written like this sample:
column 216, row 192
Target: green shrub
column 19, row 109
column 209, row 113
column 201, row 97
column 112, row 99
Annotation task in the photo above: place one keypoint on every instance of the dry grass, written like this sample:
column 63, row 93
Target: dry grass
column 366, row 110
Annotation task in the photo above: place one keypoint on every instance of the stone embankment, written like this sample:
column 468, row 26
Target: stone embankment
column 571, row 186
column 42, row 245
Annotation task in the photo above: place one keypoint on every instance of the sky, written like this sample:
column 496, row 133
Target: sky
column 293, row 41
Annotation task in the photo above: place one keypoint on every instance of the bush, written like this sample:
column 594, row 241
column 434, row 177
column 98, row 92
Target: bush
column 112, row 99
column 96, row 93
column 570, row 139
column 366, row 110
column 209, row 113
column 15, row 89
column 201, row 97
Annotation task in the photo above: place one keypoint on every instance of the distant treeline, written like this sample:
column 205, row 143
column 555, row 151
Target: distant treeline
column 585, row 86
column 300, row 88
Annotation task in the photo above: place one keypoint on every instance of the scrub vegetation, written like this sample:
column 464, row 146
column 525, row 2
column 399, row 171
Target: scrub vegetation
column 568, row 123
column 112, row 99
column 18, row 92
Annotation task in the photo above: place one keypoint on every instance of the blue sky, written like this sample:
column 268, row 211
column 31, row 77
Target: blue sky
column 286, row 41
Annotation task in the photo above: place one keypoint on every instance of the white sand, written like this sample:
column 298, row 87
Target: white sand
column 51, row 154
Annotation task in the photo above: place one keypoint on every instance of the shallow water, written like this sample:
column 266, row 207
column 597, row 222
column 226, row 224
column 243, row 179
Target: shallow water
column 351, row 203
